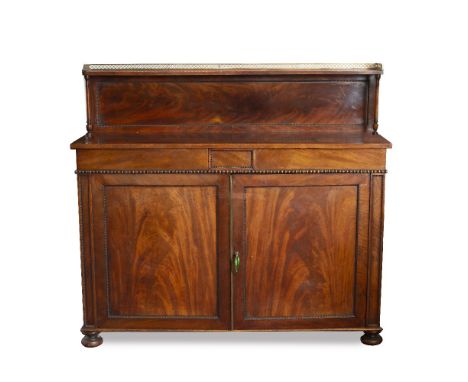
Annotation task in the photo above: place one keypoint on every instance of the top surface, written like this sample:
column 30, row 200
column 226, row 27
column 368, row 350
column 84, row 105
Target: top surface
column 364, row 140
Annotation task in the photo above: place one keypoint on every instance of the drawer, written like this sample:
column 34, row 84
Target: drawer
column 143, row 159
column 204, row 159
column 288, row 159
column 231, row 159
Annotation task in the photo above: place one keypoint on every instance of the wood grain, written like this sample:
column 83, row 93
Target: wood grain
column 375, row 250
column 180, row 169
column 302, row 244
column 87, row 259
column 152, row 102
column 143, row 159
column 231, row 158
column 158, row 264
column 273, row 159
column 307, row 268
column 161, row 245
column 176, row 138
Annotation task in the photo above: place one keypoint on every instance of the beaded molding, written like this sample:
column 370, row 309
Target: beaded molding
column 374, row 66
column 235, row 171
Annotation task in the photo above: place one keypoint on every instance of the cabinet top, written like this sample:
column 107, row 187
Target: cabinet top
column 230, row 69
column 231, row 140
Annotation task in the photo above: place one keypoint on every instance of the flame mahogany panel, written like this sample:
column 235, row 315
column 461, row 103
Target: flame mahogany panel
column 307, row 268
column 302, row 241
column 158, row 264
column 161, row 250
column 151, row 102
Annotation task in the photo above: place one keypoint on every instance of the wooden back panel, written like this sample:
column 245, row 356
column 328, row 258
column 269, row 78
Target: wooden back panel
column 190, row 103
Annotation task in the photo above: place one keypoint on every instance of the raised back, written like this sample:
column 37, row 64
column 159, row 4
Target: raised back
column 188, row 98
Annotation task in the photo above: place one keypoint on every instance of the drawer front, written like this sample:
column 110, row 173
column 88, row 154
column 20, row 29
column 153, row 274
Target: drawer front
column 143, row 159
column 231, row 158
column 294, row 159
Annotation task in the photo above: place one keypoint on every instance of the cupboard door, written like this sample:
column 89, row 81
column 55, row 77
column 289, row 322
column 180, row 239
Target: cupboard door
column 160, row 251
column 302, row 245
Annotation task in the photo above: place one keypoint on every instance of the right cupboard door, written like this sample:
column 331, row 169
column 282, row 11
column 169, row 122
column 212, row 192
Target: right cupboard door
column 302, row 245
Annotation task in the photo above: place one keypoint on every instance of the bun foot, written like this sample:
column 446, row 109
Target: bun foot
column 91, row 339
column 371, row 338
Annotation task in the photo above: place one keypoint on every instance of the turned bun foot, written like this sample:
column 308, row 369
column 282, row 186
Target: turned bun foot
column 371, row 338
column 91, row 339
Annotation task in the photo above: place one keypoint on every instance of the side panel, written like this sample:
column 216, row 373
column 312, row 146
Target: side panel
column 375, row 250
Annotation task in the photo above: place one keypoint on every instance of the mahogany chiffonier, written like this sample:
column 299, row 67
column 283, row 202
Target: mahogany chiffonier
column 231, row 197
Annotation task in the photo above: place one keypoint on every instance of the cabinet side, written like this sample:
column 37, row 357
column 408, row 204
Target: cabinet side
column 376, row 226
column 85, row 246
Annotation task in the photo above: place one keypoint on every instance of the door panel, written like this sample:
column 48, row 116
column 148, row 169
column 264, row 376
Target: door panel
column 302, row 243
column 161, row 247
column 172, row 267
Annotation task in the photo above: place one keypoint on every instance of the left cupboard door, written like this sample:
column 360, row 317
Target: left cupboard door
column 159, row 251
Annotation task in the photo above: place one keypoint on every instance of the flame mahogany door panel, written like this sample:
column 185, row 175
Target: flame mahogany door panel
column 302, row 242
column 160, row 249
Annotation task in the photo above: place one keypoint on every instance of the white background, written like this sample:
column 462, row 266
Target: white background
column 423, row 47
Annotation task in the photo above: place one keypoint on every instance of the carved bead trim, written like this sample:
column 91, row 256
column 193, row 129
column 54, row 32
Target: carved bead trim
column 234, row 171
